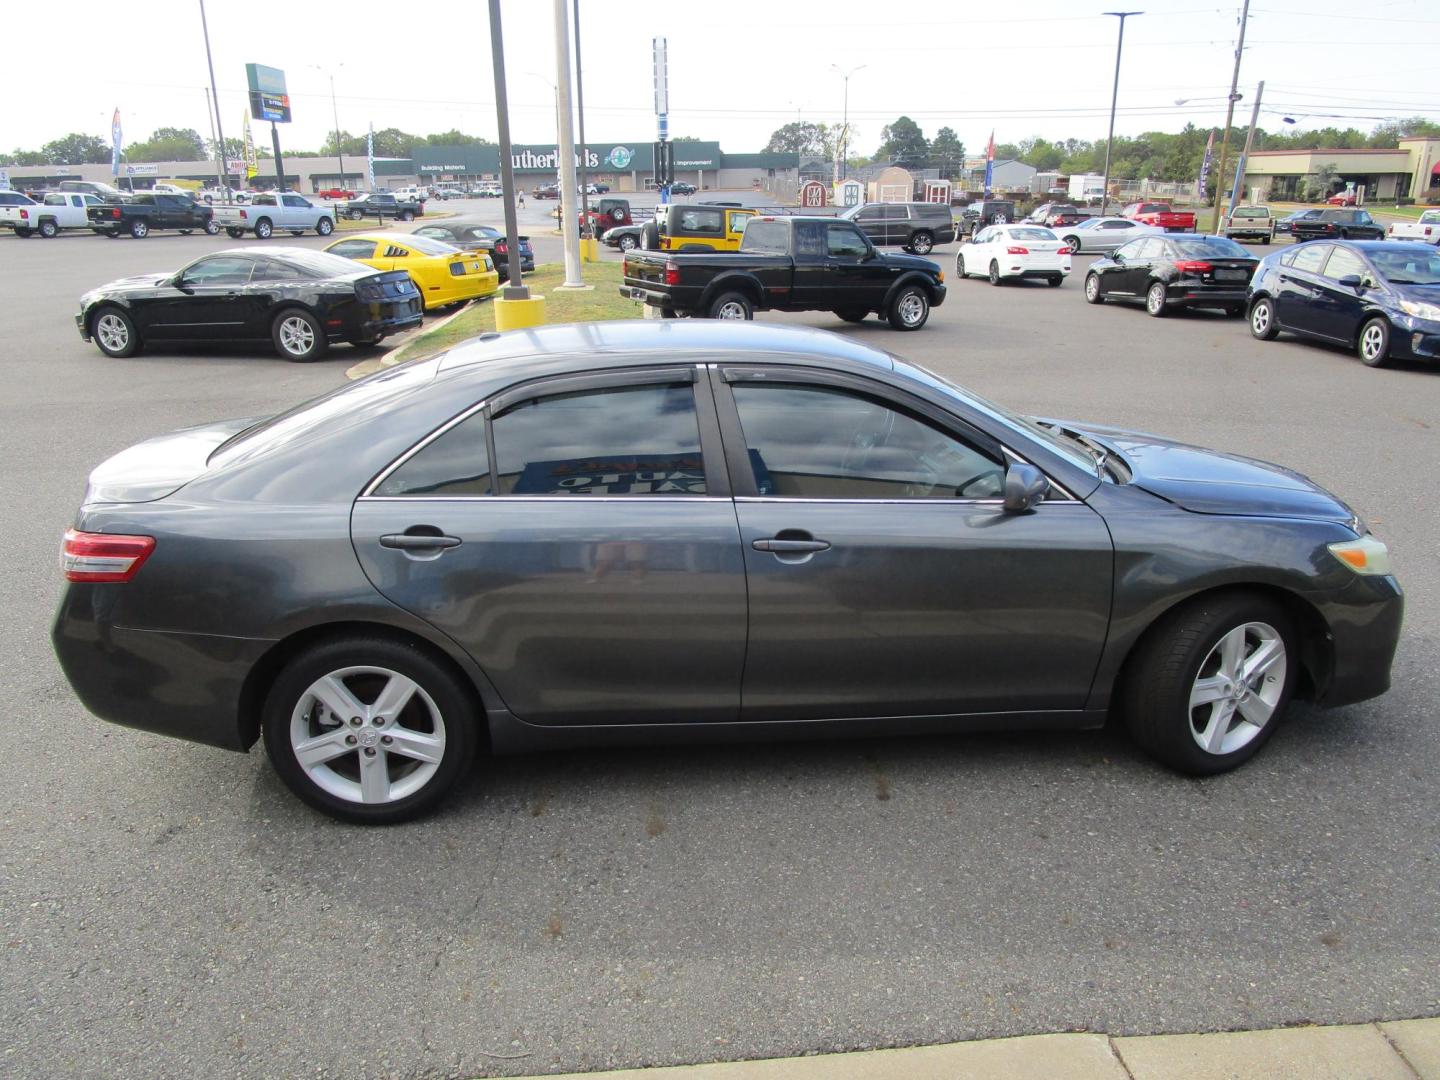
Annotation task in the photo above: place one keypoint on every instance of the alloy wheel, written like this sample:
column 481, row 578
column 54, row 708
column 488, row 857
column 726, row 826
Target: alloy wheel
column 1260, row 320
column 732, row 309
column 367, row 735
column 297, row 337
column 114, row 335
column 1372, row 343
column 912, row 308
column 1237, row 688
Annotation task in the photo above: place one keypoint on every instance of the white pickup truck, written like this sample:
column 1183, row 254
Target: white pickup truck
column 272, row 211
column 58, row 210
column 1426, row 230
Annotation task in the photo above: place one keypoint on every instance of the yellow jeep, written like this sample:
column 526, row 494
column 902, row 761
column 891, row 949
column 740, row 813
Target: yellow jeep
column 701, row 226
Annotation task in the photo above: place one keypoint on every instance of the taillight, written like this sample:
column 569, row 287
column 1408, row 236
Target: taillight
column 25, row 214
column 672, row 274
column 1064, row 251
column 115, row 214
column 103, row 556
column 501, row 247
column 1017, row 251
column 625, row 266
column 1193, row 266
column 243, row 215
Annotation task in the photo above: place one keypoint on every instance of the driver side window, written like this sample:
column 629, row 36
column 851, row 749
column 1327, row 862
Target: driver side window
column 814, row 442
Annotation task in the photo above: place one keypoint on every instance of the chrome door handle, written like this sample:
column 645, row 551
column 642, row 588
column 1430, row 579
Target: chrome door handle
column 418, row 542
column 790, row 547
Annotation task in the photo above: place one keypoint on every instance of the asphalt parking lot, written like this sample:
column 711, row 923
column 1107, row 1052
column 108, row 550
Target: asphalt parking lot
column 172, row 911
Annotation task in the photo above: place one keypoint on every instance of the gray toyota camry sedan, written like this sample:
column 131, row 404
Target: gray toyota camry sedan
column 680, row 531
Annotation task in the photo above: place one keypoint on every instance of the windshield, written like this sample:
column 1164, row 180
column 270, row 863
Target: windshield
column 1210, row 247
column 1418, row 267
column 849, row 215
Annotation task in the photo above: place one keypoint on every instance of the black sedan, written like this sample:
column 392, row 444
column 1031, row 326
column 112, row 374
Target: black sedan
column 1164, row 272
column 623, row 237
column 680, row 187
column 477, row 236
column 1337, row 225
column 297, row 299
column 1380, row 298
column 657, row 531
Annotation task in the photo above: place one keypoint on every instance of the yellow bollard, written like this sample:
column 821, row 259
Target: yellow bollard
column 589, row 249
column 518, row 314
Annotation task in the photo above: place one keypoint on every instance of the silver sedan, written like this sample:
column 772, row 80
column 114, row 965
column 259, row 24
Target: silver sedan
column 1104, row 233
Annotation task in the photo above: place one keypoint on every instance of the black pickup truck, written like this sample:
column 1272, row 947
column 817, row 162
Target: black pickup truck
column 146, row 211
column 379, row 205
column 789, row 264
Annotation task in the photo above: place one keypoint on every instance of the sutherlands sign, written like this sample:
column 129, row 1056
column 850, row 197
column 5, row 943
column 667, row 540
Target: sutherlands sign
column 529, row 159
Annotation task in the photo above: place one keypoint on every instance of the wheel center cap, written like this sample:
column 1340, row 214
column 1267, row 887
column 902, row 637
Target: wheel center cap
column 369, row 737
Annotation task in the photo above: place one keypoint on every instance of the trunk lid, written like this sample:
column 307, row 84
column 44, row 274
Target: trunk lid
column 160, row 466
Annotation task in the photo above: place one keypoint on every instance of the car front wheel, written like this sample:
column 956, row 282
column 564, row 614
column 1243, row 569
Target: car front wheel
column 324, row 226
column 368, row 729
column 212, row 227
column 1211, row 681
column 910, row 309
column 1374, row 343
column 1092, row 289
column 114, row 333
column 627, row 243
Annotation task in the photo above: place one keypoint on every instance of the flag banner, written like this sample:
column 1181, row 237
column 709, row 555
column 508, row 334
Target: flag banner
column 369, row 158
column 1205, row 165
column 989, row 162
column 115, row 143
column 252, row 163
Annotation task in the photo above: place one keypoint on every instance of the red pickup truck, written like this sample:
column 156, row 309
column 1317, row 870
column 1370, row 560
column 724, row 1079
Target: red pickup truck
column 1161, row 215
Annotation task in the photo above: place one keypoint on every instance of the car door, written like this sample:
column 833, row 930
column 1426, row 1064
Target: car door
column 1295, row 293
column 735, row 222
column 296, row 211
column 1337, row 310
column 987, row 241
column 859, row 278
column 576, row 537
column 203, row 304
column 815, row 278
column 885, row 578
column 871, row 221
column 1116, row 275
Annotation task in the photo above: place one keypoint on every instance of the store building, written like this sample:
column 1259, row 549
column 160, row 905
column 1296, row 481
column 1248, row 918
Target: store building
column 1411, row 170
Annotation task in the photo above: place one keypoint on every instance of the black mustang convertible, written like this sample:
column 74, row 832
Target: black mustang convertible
column 300, row 300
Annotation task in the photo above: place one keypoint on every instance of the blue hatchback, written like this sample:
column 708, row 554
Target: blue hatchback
column 1378, row 297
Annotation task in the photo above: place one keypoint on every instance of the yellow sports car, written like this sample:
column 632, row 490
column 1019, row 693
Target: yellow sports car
column 442, row 272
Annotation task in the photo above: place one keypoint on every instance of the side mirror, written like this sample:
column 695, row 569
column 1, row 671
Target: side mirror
column 1025, row 487
column 1117, row 257
column 1353, row 281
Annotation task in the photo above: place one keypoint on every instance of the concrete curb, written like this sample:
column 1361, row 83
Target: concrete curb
column 390, row 357
column 1402, row 1050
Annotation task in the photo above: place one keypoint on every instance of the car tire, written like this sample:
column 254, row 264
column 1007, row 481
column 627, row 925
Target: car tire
column 1373, row 344
column 49, row 230
column 1210, row 682
column 113, row 331
column 185, row 232
column 921, row 243
column 263, row 229
column 298, row 336
column 959, row 267
column 1265, row 240
column 325, row 226
column 1155, row 300
column 994, row 272
column 650, row 236
column 1262, row 320
column 406, row 215
column 733, row 306
column 24, row 233
column 617, row 214
column 855, row 315
column 297, row 232
column 212, row 228
column 139, row 229
column 1056, row 280
column 910, row 310
column 1092, row 289
column 354, row 215
column 626, row 243
column 1073, row 243
column 233, row 233
column 438, row 718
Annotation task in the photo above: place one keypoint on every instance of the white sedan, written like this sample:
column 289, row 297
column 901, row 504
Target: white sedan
column 1014, row 251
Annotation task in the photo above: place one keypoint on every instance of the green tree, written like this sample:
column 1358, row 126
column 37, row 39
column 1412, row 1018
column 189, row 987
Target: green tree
column 1322, row 186
column 455, row 137
column 25, row 157
column 947, row 152
column 903, row 143
column 354, row 145
column 800, row 137
column 76, row 149
column 168, row 144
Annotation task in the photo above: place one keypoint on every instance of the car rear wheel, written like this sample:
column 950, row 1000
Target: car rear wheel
column 994, row 272
column 354, row 215
column 1210, row 682
column 298, row 336
column 24, row 233
column 1056, row 280
column 324, row 226
column 959, row 266
column 921, row 243
column 910, row 309
column 732, row 305
column 1092, row 289
column 1073, row 243
column 234, row 233
column 369, row 730
column 1262, row 320
column 139, row 229
column 263, row 229
column 1155, row 300
column 1374, row 343
column 406, row 215
column 49, row 230
column 114, row 333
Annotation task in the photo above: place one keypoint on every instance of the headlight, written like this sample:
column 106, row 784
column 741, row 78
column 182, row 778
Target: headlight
column 942, row 277
column 1366, row 556
column 1420, row 310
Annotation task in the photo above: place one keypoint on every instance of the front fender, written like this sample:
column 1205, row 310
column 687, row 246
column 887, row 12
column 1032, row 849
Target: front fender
column 933, row 289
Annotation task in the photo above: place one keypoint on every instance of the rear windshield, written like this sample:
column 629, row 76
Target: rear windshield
column 1031, row 234
column 771, row 237
column 1252, row 211
column 322, row 264
column 427, row 245
column 1210, row 247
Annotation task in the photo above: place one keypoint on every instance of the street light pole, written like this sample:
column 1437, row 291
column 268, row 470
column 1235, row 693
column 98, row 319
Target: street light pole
column 1114, row 98
column 585, row 228
column 215, row 98
column 845, row 121
column 514, row 283
column 335, row 112
column 1230, row 115
column 569, row 216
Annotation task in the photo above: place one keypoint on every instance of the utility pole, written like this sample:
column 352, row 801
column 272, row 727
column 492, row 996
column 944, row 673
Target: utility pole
column 1245, row 154
column 220, row 163
column 335, row 112
column 1230, row 114
column 1114, row 98
column 585, row 230
column 569, row 219
column 215, row 98
column 845, row 120
column 664, row 171
column 515, row 308
column 279, row 161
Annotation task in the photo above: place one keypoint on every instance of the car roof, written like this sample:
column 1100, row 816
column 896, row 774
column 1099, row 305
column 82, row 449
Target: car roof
column 633, row 342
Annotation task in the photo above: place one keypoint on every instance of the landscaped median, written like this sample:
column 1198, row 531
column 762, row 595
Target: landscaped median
column 1403, row 1050
column 601, row 304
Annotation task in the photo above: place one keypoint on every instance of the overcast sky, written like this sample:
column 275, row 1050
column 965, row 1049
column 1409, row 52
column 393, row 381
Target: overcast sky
column 738, row 69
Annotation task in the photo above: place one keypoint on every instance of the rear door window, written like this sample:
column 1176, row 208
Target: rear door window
column 1311, row 257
